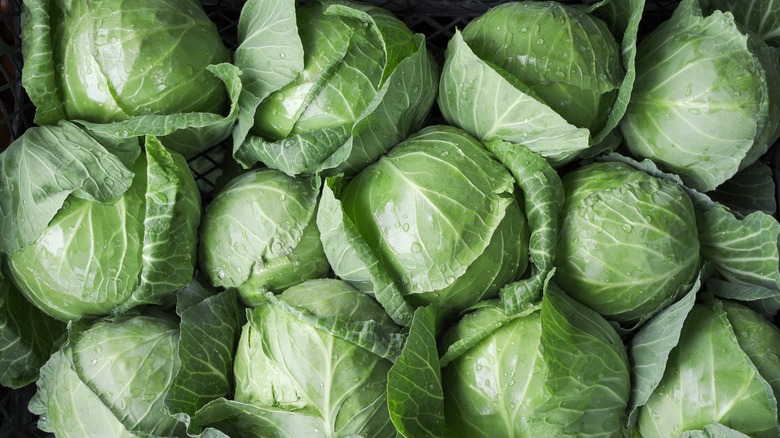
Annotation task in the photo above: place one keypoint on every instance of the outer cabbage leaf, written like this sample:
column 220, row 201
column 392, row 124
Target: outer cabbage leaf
column 414, row 390
column 231, row 418
column 43, row 167
column 758, row 181
column 759, row 339
column 374, row 334
column 170, row 227
column 744, row 252
column 588, row 371
column 38, row 74
column 352, row 259
column 714, row 430
column 650, row 348
column 186, row 133
column 543, row 199
column 479, row 324
column 27, row 335
column 210, row 325
column 759, row 16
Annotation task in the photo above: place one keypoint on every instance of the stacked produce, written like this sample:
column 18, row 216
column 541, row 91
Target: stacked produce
column 589, row 247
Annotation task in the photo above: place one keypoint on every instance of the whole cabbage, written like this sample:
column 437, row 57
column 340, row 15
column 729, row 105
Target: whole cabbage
column 91, row 226
column 628, row 244
column 152, row 68
column 710, row 366
column 329, row 86
column 311, row 362
column 552, row 77
column 259, row 234
column 706, row 103
column 437, row 220
column 555, row 369
column 110, row 378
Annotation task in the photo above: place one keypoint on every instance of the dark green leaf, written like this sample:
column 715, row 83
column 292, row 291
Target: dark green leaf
column 414, row 391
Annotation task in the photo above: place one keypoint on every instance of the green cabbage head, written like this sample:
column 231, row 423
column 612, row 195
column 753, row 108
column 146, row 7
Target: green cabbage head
column 311, row 362
column 329, row 85
column 116, row 59
column 131, row 68
column 438, row 220
column 710, row 366
column 259, row 234
column 628, row 244
column 552, row 77
column 110, row 379
column 555, row 369
column 707, row 98
column 91, row 225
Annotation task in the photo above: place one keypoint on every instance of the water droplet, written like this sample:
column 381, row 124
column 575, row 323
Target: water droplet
column 523, row 29
column 627, row 228
column 416, row 247
column 540, row 41
column 282, row 197
column 405, row 227
column 450, row 280
column 282, row 55
column 445, row 153
column 689, row 90
column 94, row 362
